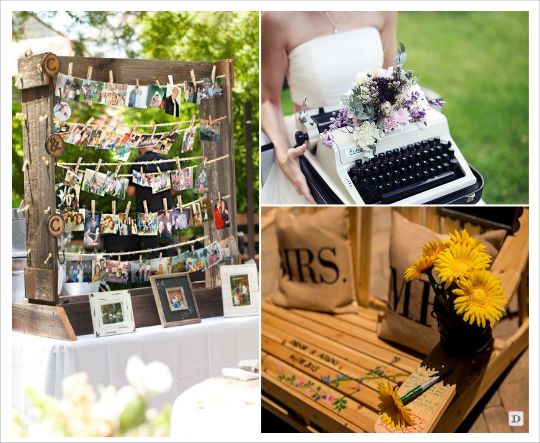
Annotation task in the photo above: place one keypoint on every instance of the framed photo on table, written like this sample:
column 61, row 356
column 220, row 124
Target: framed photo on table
column 175, row 300
column 112, row 313
column 240, row 290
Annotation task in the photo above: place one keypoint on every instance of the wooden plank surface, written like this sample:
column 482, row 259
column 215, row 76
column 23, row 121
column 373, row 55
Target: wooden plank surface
column 31, row 75
column 42, row 320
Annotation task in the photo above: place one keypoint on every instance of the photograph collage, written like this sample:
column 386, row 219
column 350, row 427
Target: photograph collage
column 234, row 222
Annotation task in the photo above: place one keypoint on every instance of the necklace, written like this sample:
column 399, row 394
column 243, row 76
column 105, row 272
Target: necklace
column 334, row 25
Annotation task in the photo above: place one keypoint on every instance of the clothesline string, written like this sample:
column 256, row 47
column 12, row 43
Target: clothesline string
column 150, row 162
column 146, row 125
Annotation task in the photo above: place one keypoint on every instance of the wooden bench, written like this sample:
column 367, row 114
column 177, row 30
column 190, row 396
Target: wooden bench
column 320, row 372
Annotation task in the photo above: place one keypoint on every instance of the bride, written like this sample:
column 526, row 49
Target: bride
column 320, row 53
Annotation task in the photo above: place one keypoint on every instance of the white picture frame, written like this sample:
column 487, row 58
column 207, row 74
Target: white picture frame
column 112, row 313
column 240, row 290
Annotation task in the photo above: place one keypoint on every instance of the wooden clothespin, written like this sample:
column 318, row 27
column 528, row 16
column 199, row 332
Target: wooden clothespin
column 158, row 170
column 137, row 82
column 210, row 118
column 179, row 251
column 214, row 74
column 70, row 69
column 119, row 260
column 93, row 208
column 153, row 128
column 192, row 122
column 80, row 259
column 204, row 160
column 145, row 205
column 193, row 76
column 97, row 167
column 178, row 163
column 89, row 122
column 170, row 79
column 140, row 259
column 113, row 207
column 133, row 128
column 219, row 195
column 116, row 126
column 165, row 205
column 157, row 83
column 79, row 160
column 89, row 73
column 127, row 207
column 192, row 249
column 142, row 171
column 160, row 255
column 179, row 198
column 117, row 168
column 111, row 80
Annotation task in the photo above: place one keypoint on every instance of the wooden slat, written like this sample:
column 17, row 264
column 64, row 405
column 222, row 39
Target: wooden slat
column 414, row 214
column 349, row 387
column 472, row 229
column 31, row 76
column 354, row 414
column 407, row 363
column 326, row 357
column 358, row 321
column 283, row 414
column 366, row 232
column 46, row 321
column 433, row 219
column 450, row 225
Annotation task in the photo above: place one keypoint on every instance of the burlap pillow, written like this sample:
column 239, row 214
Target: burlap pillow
column 316, row 261
column 408, row 319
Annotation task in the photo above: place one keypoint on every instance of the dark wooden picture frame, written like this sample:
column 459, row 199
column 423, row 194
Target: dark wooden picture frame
column 168, row 317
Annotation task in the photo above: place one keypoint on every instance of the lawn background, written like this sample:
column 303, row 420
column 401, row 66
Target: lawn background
column 479, row 63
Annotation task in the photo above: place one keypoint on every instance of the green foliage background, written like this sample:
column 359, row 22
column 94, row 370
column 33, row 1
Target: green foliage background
column 188, row 36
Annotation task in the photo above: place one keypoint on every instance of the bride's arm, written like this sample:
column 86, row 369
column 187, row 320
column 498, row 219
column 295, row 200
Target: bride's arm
column 274, row 66
column 388, row 37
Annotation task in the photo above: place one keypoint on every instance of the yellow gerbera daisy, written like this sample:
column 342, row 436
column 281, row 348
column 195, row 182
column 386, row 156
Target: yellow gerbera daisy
column 464, row 238
column 391, row 408
column 480, row 298
column 430, row 252
column 457, row 260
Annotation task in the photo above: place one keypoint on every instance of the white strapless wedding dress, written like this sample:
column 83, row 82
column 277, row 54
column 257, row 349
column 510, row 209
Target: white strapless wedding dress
column 322, row 69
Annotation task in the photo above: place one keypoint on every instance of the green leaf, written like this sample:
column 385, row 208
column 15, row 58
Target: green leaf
column 133, row 415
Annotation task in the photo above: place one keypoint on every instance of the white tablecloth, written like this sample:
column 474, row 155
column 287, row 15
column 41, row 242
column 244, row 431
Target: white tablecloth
column 193, row 353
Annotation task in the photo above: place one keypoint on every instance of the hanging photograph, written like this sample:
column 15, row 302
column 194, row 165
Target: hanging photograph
column 160, row 266
column 142, row 179
column 75, row 134
column 140, row 271
column 134, row 140
column 62, row 129
column 109, row 224
column 112, row 313
column 79, row 271
column 109, row 140
column 122, row 152
column 199, row 259
column 73, row 220
column 221, row 213
column 68, row 88
column 190, row 92
column 67, row 197
column 119, row 95
column 175, row 300
column 117, row 271
column 95, row 138
column 156, row 96
column 196, row 213
column 240, row 290
column 165, row 234
column 182, row 179
column 116, row 186
column 180, row 219
column 201, row 178
column 147, row 223
column 91, row 229
column 165, row 143
column 100, row 267
column 178, row 262
column 125, row 224
column 91, row 91
column 149, row 140
column 161, row 182
column 209, row 131
column 189, row 139
column 206, row 210
column 72, row 179
column 213, row 255
column 212, row 89
column 62, row 111
column 94, row 183
column 172, row 100
column 136, row 96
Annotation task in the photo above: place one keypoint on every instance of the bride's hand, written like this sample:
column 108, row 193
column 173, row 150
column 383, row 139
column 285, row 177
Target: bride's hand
column 291, row 168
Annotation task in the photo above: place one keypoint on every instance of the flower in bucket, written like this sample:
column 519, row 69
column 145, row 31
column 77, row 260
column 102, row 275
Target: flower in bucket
column 81, row 412
column 380, row 101
column 466, row 287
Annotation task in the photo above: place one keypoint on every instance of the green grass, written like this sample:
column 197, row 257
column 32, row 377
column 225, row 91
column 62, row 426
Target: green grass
column 479, row 63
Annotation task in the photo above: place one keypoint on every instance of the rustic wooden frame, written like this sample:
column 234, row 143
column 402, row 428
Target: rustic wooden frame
column 160, row 306
column 36, row 81
column 240, row 311
column 124, row 327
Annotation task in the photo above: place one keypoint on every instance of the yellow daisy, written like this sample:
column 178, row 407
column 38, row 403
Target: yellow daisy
column 391, row 408
column 480, row 297
column 464, row 238
column 430, row 252
column 457, row 260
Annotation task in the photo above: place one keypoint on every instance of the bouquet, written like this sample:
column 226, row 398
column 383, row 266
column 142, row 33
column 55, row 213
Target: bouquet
column 380, row 101
column 467, row 296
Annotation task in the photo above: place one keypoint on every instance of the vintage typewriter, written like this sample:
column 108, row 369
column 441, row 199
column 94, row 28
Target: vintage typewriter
column 413, row 166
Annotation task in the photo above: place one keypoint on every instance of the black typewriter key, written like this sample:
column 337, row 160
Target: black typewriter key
column 412, row 178
column 375, row 170
column 439, row 169
column 403, row 150
column 431, row 141
column 375, row 160
column 431, row 162
column 358, row 163
column 404, row 181
column 363, row 183
column 438, row 159
column 425, row 164
column 425, row 154
column 405, row 160
column 432, row 172
column 390, row 165
column 454, row 164
column 445, row 157
column 446, row 166
column 425, row 173
column 396, row 151
column 418, row 166
column 424, row 143
column 438, row 150
column 410, row 147
column 418, row 176
column 445, row 146
column 451, row 152
column 382, row 156
column 418, row 156
column 397, row 162
column 397, row 184
column 437, row 140
column 416, row 188
column 381, row 189
column 418, row 146
column 388, row 176
column 432, row 152
column 395, row 174
column 381, row 179
column 388, row 187
column 412, row 158
column 403, row 171
column 411, row 169
column 383, row 166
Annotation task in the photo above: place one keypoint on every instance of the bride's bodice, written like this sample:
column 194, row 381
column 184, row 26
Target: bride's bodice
column 324, row 68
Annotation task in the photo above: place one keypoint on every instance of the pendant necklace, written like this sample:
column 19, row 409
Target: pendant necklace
column 334, row 25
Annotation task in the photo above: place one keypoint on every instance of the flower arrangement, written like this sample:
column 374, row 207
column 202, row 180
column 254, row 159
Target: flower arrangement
column 380, row 101
column 122, row 413
column 467, row 297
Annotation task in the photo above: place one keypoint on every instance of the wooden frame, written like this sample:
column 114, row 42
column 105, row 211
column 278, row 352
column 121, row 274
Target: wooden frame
column 161, row 285
column 100, row 299
column 235, row 272
column 36, row 81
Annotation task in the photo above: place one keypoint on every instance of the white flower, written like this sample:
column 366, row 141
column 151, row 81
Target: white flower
column 154, row 378
column 366, row 134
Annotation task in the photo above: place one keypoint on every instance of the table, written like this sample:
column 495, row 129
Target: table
column 232, row 407
column 192, row 352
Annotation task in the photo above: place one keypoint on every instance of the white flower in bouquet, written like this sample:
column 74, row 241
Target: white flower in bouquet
column 367, row 134
column 154, row 378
